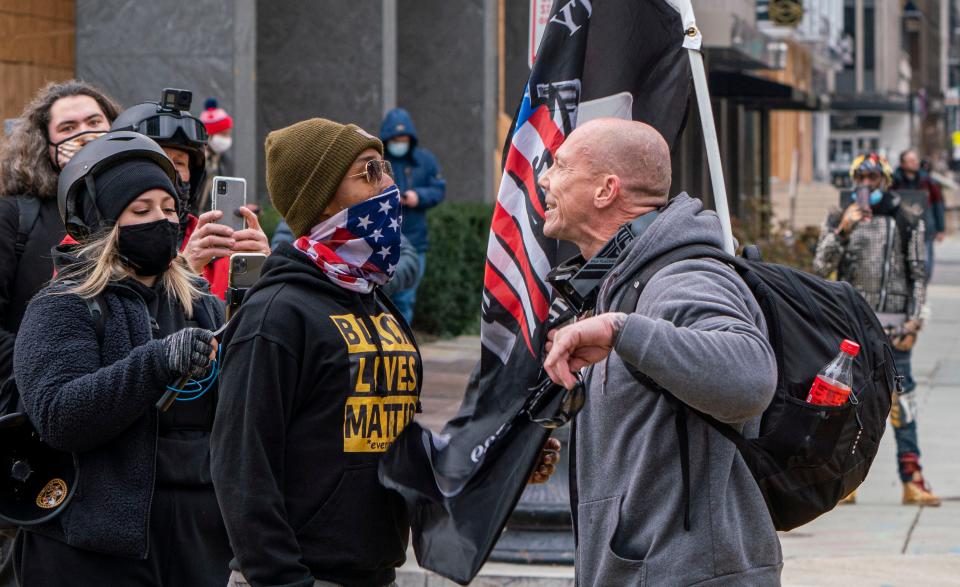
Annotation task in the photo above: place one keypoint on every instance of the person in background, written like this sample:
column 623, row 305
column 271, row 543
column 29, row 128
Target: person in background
column 59, row 120
column 914, row 174
column 206, row 243
column 54, row 126
column 144, row 511
column 880, row 252
column 220, row 130
column 422, row 187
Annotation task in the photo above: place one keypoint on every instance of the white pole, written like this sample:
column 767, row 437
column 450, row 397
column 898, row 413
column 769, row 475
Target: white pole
column 712, row 146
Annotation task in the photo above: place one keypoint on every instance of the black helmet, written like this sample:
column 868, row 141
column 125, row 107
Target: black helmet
column 172, row 128
column 37, row 482
column 78, row 207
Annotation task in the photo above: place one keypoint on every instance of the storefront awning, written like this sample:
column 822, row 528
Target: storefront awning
column 761, row 93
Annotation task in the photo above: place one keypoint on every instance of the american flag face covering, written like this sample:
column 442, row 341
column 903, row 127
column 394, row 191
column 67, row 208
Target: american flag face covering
column 359, row 247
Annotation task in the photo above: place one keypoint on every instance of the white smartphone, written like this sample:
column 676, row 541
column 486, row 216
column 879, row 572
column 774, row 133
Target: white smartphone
column 228, row 194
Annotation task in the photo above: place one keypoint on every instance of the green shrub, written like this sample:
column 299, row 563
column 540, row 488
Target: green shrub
column 448, row 299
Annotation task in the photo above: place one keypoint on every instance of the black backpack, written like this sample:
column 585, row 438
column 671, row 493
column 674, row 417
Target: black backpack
column 807, row 457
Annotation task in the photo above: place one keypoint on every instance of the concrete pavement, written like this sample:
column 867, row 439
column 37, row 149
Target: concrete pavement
column 878, row 541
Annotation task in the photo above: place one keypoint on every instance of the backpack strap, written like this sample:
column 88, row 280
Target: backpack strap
column 99, row 311
column 628, row 304
column 29, row 211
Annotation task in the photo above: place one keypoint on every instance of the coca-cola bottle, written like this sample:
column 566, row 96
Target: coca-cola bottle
column 833, row 383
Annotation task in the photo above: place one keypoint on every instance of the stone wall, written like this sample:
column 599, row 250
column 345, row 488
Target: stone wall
column 36, row 47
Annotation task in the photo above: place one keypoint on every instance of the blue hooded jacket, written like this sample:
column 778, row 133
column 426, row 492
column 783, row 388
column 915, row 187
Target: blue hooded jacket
column 417, row 171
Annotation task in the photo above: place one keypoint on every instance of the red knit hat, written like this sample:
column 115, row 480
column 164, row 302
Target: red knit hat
column 215, row 118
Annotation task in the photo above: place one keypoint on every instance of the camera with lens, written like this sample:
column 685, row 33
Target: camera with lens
column 174, row 99
column 221, row 188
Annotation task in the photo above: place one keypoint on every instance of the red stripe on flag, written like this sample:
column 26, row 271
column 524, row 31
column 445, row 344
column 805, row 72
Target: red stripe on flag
column 518, row 165
column 551, row 136
column 504, row 227
column 508, row 299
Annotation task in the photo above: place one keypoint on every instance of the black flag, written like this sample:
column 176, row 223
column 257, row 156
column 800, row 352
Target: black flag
column 624, row 58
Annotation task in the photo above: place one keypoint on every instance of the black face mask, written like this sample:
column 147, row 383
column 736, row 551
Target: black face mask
column 183, row 203
column 148, row 248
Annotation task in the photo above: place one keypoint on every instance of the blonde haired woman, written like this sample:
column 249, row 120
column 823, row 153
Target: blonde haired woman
column 144, row 512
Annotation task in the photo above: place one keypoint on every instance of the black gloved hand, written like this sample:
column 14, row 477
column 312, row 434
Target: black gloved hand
column 188, row 352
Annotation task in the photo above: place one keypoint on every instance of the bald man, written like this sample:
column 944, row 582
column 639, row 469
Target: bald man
column 696, row 331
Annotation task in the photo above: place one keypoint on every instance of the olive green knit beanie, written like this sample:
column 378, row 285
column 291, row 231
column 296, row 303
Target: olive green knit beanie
column 306, row 163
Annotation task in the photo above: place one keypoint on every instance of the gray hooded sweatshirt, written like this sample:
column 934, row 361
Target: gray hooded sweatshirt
column 698, row 332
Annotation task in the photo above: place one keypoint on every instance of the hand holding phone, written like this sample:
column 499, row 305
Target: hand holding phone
column 228, row 195
column 245, row 270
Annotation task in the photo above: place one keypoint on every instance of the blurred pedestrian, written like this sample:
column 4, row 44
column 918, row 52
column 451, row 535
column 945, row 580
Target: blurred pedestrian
column 422, row 187
column 320, row 374
column 220, row 130
column 878, row 247
column 699, row 333
column 144, row 512
column 206, row 243
column 915, row 174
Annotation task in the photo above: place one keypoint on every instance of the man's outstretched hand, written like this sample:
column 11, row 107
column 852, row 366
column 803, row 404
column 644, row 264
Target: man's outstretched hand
column 547, row 466
column 579, row 345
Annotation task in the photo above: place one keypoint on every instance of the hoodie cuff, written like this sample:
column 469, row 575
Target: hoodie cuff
column 635, row 338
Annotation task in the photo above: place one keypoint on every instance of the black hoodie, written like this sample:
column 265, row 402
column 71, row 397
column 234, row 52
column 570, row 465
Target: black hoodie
column 317, row 381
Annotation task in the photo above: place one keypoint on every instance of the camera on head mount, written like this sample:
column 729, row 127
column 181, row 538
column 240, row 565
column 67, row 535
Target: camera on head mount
column 174, row 99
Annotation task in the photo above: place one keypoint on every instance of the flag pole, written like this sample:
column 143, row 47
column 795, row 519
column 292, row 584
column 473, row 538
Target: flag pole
column 712, row 146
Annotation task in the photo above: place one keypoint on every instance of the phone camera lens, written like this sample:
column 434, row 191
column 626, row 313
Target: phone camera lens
column 221, row 188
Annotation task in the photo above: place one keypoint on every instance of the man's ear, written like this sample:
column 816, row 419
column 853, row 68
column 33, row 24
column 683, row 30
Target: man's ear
column 608, row 192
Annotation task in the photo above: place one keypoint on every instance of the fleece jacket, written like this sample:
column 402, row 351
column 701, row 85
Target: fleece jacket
column 98, row 401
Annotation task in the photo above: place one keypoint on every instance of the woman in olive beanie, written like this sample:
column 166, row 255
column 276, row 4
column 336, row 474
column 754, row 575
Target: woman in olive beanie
column 320, row 374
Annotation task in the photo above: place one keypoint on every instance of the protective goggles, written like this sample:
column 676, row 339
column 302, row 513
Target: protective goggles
column 163, row 127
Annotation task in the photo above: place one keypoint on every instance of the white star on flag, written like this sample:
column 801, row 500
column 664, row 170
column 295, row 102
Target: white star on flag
column 384, row 251
column 365, row 221
column 394, row 224
column 385, row 207
column 391, row 268
column 376, row 235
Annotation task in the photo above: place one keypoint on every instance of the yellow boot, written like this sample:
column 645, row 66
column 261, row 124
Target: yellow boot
column 916, row 492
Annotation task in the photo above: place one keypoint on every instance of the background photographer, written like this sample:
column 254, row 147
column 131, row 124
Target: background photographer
column 206, row 243
column 877, row 246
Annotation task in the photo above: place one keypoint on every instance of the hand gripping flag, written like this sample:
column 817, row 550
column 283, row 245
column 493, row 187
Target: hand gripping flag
column 623, row 58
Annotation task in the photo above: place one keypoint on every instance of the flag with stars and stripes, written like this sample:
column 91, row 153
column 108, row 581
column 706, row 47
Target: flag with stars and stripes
column 621, row 58
column 359, row 246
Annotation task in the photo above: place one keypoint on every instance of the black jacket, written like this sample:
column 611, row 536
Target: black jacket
column 317, row 381
column 98, row 401
column 18, row 283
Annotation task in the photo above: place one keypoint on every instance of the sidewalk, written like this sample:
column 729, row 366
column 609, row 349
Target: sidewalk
column 875, row 542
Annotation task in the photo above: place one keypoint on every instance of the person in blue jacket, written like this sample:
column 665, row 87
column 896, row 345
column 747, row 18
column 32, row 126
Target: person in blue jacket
column 421, row 187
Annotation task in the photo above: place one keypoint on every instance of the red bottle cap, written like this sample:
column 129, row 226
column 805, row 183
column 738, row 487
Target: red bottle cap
column 850, row 347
